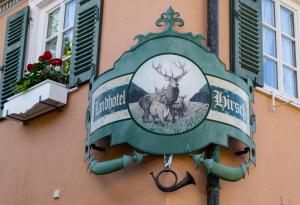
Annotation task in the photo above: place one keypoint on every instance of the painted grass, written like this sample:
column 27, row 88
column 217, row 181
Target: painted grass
column 194, row 113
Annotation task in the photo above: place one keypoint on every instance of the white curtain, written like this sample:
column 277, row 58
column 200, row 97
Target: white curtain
column 269, row 42
column 287, row 21
column 270, row 72
column 288, row 51
column 268, row 12
column 289, row 82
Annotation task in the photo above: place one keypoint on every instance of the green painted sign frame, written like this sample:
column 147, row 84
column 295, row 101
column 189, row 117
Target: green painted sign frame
column 191, row 47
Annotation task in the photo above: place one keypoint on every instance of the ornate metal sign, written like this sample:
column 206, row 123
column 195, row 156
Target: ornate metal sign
column 170, row 95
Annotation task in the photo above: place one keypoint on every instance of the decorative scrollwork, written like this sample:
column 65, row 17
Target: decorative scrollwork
column 170, row 18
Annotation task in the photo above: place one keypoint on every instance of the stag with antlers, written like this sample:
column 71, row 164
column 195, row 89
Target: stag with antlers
column 168, row 96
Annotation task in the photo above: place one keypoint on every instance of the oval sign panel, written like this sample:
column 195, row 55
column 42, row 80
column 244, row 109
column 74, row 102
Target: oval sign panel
column 175, row 97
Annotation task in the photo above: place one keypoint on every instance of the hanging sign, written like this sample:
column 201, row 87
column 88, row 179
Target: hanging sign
column 169, row 95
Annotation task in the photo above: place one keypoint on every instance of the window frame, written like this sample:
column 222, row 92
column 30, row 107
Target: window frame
column 61, row 30
column 40, row 10
column 279, row 92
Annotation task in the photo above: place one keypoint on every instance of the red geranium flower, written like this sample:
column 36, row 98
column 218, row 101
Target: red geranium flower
column 42, row 58
column 56, row 62
column 47, row 55
column 30, row 66
column 59, row 62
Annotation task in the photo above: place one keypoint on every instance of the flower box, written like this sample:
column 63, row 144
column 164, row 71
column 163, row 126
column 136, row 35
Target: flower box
column 39, row 99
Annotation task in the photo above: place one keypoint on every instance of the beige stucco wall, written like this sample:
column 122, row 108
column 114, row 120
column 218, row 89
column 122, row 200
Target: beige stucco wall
column 48, row 153
column 275, row 179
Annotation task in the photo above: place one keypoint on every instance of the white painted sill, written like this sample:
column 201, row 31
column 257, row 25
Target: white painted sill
column 37, row 100
column 277, row 95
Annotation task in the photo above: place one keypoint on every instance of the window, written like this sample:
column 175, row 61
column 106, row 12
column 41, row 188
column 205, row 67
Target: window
column 59, row 34
column 280, row 62
column 52, row 28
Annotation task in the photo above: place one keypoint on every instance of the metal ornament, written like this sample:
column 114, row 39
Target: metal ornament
column 170, row 18
column 169, row 95
column 167, row 169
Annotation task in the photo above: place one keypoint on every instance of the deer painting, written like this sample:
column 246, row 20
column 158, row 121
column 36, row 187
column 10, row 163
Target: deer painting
column 166, row 96
column 159, row 111
column 179, row 107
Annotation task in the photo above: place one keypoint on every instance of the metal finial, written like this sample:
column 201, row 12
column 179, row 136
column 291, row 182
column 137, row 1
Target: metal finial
column 170, row 18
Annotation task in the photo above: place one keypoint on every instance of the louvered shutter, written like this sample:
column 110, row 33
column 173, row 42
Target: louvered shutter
column 85, row 53
column 14, row 53
column 247, row 40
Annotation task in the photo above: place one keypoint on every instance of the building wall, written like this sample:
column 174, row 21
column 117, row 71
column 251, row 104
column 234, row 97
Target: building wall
column 47, row 154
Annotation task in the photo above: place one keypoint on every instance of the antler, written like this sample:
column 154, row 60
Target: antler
column 158, row 69
column 183, row 70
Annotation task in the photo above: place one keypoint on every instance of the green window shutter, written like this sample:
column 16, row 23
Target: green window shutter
column 85, row 53
column 14, row 53
column 246, row 44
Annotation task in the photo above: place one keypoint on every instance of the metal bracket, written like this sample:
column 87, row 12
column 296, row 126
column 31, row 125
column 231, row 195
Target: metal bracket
column 245, row 151
column 98, row 148
column 274, row 106
column 168, row 161
column 55, row 107
column 25, row 122
column 12, row 117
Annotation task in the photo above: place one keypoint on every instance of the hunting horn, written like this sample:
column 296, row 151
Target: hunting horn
column 188, row 179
